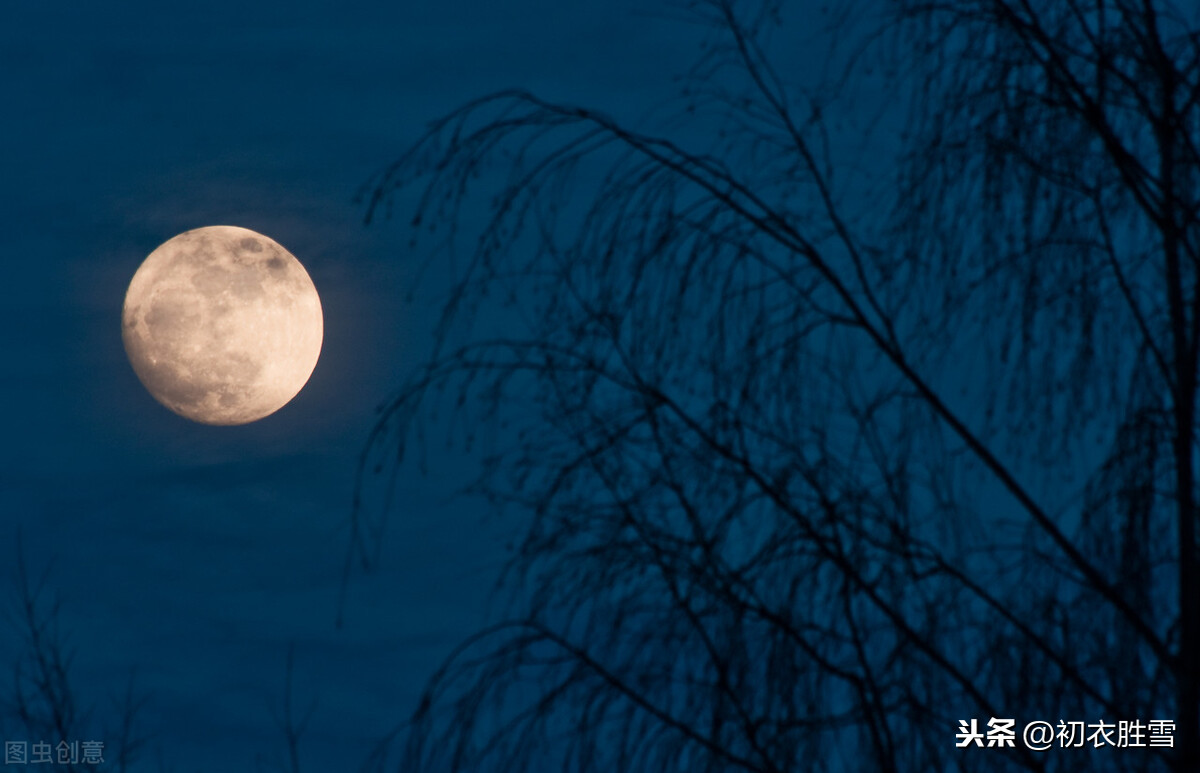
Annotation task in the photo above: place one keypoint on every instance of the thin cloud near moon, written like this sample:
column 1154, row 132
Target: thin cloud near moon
column 222, row 325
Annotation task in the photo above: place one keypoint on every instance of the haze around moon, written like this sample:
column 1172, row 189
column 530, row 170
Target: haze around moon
column 222, row 325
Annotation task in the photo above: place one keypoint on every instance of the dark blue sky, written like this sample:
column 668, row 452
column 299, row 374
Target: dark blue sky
column 196, row 554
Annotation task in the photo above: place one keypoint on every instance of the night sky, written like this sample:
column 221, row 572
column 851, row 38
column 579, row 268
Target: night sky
column 195, row 555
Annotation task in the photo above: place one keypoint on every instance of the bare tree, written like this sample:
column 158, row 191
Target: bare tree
column 44, row 705
column 821, row 458
column 291, row 726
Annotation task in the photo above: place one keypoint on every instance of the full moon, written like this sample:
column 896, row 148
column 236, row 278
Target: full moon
column 222, row 325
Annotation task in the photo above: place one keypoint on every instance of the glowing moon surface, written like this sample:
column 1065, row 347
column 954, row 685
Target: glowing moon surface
column 222, row 325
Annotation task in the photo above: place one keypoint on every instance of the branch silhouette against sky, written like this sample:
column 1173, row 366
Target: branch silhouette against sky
column 837, row 409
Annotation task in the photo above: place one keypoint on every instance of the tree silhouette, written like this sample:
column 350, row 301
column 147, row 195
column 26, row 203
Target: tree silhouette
column 42, row 705
column 829, row 439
